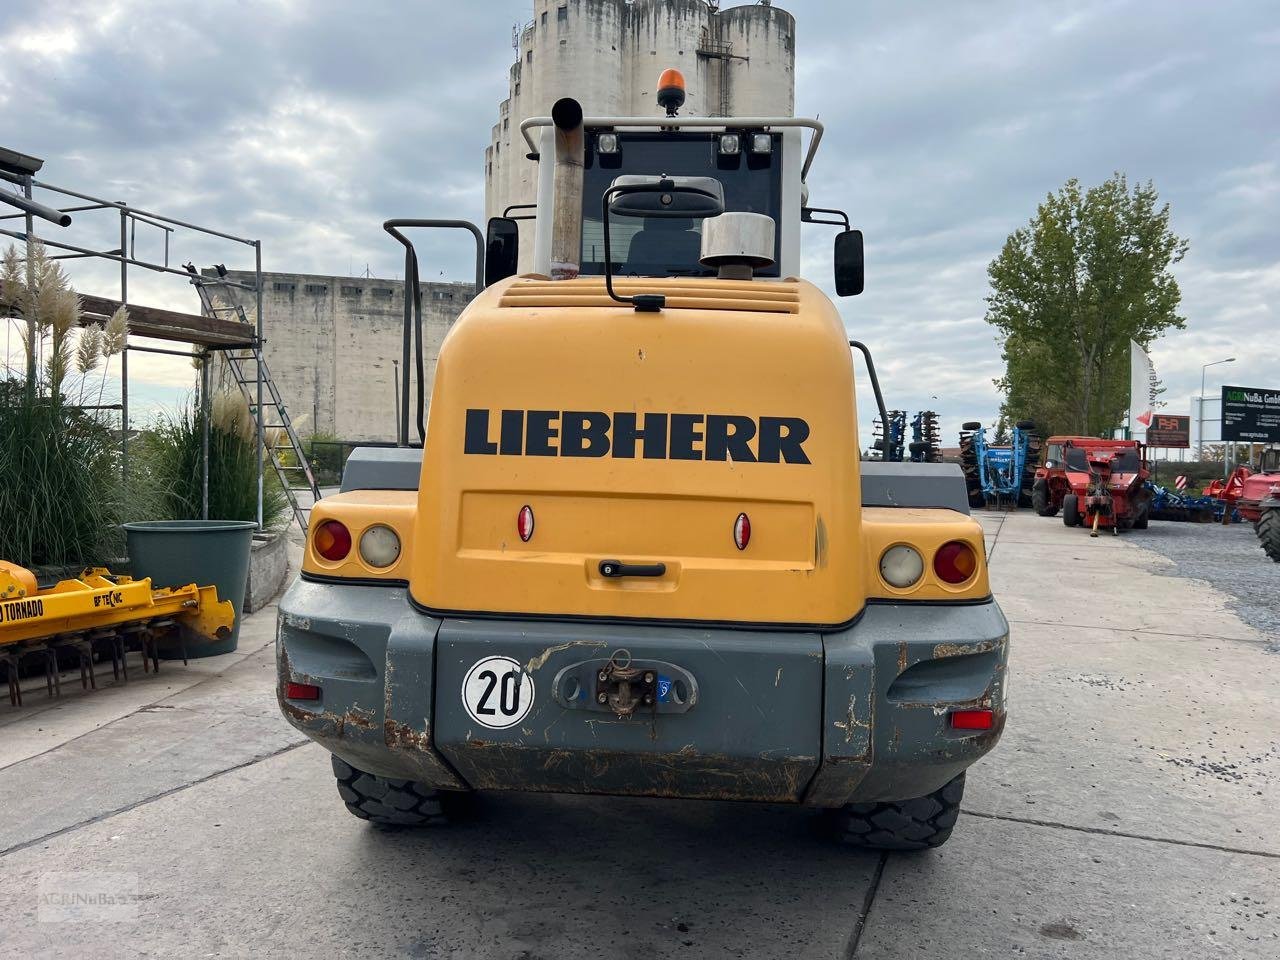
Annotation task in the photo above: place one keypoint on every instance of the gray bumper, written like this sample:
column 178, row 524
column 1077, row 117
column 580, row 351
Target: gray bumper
column 818, row 718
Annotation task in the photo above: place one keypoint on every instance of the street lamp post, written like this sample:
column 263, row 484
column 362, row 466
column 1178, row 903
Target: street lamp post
column 1200, row 434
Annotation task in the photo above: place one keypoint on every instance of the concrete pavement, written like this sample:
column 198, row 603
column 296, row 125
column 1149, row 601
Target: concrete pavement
column 1131, row 810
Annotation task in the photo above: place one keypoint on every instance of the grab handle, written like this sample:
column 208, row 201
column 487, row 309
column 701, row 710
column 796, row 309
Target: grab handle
column 616, row 568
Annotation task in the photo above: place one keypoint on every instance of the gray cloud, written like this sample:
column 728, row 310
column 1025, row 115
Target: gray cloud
column 308, row 123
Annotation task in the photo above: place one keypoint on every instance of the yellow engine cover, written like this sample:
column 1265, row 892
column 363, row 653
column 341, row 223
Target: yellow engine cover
column 641, row 438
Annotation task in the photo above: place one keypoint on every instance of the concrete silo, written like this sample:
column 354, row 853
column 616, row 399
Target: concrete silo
column 608, row 54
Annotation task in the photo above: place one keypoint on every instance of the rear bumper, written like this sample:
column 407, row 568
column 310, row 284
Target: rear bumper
column 819, row 718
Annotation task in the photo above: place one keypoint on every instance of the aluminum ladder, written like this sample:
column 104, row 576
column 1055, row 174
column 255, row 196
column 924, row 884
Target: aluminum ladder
column 279, row 439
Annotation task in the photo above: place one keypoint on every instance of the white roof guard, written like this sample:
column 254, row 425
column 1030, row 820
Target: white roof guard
column 669, row 122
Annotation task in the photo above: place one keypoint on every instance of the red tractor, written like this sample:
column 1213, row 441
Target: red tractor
column 1096, row 483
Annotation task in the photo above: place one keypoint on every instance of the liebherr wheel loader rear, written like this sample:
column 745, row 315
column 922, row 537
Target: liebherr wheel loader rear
column 637, row 553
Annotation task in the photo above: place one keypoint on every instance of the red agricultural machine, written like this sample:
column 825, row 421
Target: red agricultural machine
column 1255, row 493
column 1095, row 483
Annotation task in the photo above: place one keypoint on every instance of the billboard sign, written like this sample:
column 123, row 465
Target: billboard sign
column 1169, row 431
column 1251, row 414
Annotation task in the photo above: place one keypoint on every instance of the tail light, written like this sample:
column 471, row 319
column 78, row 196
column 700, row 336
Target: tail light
column 301, row 691
column 955, row 562
column 973, row 719
column 332, row 540
column 524, row 523
column 379, row 546
column 901, row 566
column 742, row 531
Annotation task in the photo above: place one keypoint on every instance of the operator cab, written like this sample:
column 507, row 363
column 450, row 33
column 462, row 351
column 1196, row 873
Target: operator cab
column 653, row 246
column 758, row 163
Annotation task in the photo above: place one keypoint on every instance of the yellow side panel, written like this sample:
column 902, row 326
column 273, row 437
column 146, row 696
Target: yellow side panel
column 551, row 363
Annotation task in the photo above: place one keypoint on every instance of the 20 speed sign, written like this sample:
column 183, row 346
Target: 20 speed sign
column 497, row 692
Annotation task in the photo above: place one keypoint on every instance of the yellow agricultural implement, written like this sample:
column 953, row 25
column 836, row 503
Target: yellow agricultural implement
column 97, row 610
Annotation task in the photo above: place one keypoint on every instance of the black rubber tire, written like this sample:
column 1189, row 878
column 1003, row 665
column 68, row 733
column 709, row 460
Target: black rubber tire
column 916, row 824
column 1040, row 499
column 394, row 803
column 971, row 425
column 1269, row 532
column 1026, row 499
column 1071, row 511
column 969, row 466
column 1143, row 519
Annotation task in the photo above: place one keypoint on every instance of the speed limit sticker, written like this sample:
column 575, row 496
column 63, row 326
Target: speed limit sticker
column 497, row 692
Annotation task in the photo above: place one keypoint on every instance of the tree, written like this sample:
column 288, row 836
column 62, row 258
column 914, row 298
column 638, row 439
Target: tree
column 1088, row 273
column 1002, row 437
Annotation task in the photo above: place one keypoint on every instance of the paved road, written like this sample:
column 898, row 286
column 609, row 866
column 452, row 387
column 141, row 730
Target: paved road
column 1131, row 811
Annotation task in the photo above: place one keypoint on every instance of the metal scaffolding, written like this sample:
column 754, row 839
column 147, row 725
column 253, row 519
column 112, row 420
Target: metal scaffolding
column 212, row 332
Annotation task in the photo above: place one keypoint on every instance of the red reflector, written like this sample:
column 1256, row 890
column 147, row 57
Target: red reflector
column 955, row 562
column 742, row 531
column 332, row 540
column 524, row 523
column 973, row 719
column 301, row 691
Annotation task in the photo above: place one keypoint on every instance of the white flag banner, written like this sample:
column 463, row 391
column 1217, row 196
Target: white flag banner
column 1142, row 390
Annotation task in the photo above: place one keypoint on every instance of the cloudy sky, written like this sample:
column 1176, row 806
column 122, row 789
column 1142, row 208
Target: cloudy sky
column 307, row 122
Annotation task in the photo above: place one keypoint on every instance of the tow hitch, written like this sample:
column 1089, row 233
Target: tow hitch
column 622, row 685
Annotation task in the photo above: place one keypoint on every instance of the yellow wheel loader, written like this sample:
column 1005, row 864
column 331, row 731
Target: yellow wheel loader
column 636, row 551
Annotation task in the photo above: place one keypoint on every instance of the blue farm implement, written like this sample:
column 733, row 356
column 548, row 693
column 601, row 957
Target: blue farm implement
column 1169, row 504
column 890, row 436
column 891, row 441
column 999, row 474
column 926, row 438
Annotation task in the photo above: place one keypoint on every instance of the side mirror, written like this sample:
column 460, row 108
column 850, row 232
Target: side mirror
column 692, row 198
column 502, row 249
column 848, row 263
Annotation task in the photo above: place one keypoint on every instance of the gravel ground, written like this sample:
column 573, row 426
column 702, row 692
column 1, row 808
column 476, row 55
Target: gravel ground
column 1230, row 559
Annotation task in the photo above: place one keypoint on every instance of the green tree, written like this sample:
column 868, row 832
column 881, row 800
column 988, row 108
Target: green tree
column 1089, row 272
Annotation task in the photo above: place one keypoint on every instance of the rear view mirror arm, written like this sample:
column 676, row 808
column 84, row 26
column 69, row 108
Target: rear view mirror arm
column 807, row 215
column 645, row 303
column 875, row 383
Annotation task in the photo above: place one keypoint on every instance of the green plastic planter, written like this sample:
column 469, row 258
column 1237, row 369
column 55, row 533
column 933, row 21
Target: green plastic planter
column 174, row 553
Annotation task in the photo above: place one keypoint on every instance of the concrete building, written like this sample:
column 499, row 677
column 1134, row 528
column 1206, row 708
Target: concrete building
column 334, row 347
column 608, row 55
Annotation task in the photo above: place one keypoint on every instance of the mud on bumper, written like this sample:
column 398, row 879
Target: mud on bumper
column 819, row 718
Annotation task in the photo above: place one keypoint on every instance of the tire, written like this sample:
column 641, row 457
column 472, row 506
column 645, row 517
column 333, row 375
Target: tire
column 916, row 824
column 1040, row 499
column 394, row 803
column 1070, row 510
column 1269, row 532
column 969, row 465
column 1025, row 425
column 1026, row 489
column 971, row 425
column 1144, row 518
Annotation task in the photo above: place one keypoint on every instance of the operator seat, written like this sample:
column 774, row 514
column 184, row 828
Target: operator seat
column 663, row 242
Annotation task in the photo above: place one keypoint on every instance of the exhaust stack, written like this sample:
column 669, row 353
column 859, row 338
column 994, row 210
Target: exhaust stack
column 566, row 214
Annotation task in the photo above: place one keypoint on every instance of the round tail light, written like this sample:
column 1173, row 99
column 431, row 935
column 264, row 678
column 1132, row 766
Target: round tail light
column 955, row 562
column 524, row 523
column 742, row 531
column 901, row 566
column 332, row 540
column 379, row 546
